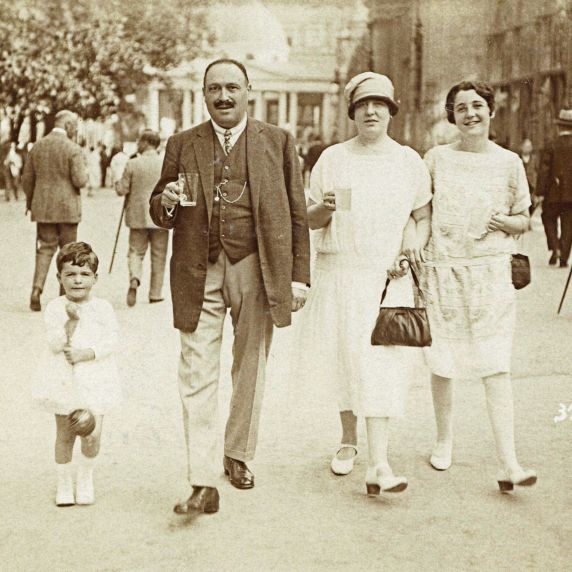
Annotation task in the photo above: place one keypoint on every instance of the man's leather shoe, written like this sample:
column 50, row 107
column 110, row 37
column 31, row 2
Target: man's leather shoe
column 239, row 474
column 132, row 293
column 35, row 304
column 554, row 258
column 202, row 499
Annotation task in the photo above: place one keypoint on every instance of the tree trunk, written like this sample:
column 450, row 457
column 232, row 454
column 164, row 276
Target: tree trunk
column 49, row 121
column 33, row 127
column 15, row 126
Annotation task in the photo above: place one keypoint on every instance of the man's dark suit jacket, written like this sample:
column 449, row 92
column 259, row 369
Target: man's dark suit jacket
column 555, row 174
column 279, row 211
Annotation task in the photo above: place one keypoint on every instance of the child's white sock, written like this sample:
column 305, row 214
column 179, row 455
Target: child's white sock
column 64, row 492
column 84, row 486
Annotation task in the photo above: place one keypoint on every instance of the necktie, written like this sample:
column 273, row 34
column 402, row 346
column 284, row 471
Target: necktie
column 227, row 144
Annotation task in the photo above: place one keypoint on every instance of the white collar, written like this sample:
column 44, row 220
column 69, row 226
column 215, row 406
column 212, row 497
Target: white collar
column 59, row 130
column 235, row 131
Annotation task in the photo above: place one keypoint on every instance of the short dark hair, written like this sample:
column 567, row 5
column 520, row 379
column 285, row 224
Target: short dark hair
column 150, row 137
column 236, row 63
column 482, row 88
column 78, row 254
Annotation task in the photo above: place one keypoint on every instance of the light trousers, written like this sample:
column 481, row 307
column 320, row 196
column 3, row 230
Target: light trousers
column 238, row 287
column 139, row 240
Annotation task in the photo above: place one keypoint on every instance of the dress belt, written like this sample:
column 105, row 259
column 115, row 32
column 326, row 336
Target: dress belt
column 475, row 261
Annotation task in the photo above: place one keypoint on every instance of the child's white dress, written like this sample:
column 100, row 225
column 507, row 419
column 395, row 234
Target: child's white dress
column 59, row 387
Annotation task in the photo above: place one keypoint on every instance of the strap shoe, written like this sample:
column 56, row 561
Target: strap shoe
column 343, row 466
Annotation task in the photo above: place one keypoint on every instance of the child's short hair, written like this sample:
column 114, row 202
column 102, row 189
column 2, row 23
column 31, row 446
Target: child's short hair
column 78, row 254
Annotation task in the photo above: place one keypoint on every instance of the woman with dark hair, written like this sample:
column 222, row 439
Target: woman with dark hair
column 362, row 194
column 480, row 203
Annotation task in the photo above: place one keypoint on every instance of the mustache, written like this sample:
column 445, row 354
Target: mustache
column 225, row 104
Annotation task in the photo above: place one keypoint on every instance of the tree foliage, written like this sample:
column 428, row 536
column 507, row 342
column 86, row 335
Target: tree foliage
column 87, row 56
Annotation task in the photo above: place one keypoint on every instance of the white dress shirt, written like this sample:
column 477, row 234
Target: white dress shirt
column 235, row 132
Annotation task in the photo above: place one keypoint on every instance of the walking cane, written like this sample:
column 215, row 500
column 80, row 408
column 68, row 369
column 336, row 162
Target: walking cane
column 565, row 290
column 117, row 235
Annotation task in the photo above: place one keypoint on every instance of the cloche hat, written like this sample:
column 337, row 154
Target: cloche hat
column 370, row 85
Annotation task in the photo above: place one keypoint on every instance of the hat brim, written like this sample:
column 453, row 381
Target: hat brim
column 391, row 104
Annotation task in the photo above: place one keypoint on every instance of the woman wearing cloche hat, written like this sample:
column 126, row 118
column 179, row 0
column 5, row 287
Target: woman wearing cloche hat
column 362, row 194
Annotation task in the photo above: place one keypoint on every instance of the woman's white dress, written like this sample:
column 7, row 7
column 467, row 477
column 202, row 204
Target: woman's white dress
column 353, row 252
column 59, row 387
column 467, row 279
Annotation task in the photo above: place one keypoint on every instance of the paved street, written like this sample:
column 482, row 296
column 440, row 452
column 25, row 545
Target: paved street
column 299, row 516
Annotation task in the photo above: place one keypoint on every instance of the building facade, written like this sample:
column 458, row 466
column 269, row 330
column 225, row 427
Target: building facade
column 290, row 49
column 522, row 48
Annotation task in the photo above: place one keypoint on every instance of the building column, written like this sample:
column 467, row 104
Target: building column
column 186, row 109
column 197, row 107
column 282, row 108
column 259, row 111
column 154, row 108
column 326, row 118
column 293, row 113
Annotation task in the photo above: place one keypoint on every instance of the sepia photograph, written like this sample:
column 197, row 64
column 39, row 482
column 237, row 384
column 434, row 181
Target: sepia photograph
column 286, row 285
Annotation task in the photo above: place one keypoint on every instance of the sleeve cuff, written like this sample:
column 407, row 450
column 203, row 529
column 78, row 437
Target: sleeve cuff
column 301, row 286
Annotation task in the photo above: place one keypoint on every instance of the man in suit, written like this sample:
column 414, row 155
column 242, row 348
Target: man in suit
column 555, row 186
column 139, row 178
column 244, row 246
column 53, row 176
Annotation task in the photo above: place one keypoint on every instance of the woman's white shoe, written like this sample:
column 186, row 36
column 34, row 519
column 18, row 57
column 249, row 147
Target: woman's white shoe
column 507, row 480
column 442, row 456
column 376, row 482
column 343, row 466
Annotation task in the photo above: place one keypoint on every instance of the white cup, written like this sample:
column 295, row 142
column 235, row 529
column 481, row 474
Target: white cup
column 343, row 198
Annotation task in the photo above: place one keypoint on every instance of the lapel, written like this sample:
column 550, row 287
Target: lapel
column 205, row 161
column 254, row 161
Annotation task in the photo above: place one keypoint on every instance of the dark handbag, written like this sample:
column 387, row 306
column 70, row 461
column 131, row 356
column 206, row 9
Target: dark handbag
column 402, row 326
column 520, row 267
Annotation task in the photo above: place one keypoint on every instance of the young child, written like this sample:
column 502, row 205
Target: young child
column 78, row 371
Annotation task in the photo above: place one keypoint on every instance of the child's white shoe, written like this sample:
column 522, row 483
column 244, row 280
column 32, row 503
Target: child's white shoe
column 84, row 484
column 64, row 492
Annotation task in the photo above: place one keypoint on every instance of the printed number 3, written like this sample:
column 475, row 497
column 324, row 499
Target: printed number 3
column 563, row 412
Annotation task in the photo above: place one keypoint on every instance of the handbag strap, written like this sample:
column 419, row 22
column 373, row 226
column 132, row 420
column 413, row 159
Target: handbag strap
column 415, row 281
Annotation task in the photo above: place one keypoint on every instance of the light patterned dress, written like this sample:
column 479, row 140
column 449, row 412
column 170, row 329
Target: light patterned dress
column 353, row 252
column 467, row 279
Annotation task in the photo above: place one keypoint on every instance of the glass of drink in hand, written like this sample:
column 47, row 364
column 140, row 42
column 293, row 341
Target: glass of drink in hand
column 343, row 198
column 188, row 183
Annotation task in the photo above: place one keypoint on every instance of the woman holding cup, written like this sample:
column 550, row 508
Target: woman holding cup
column 480, row 204
column 362, row 194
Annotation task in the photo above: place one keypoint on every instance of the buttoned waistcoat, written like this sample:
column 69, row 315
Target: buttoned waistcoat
column 278, row 208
